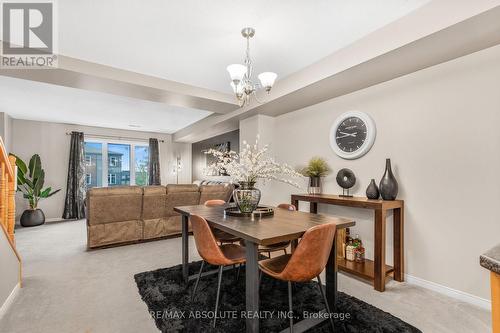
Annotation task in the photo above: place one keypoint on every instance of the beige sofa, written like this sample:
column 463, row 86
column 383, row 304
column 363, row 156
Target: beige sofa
column 127, row 214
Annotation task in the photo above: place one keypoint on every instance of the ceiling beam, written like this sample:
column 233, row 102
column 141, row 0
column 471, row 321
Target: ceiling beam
column 398, row 49
column 80, row 74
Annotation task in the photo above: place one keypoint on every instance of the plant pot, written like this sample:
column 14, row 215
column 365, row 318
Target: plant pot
column 247, row 197
column 32, row 217
column 314, row 185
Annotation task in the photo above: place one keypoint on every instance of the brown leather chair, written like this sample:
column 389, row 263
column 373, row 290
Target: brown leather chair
column 281, row 246
column 214, row 202
column 305, row 263
column 212, row 253
column 221, row 236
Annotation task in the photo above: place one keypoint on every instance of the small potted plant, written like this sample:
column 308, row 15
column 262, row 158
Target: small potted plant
column 30, row 180
column 316, row 168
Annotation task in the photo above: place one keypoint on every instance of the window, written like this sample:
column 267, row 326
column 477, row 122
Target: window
column 111, row 179
column 113, row 161
column 88, row 179
column 141, row 159
column 93, row 164
column 115, row 164
column 119, row 163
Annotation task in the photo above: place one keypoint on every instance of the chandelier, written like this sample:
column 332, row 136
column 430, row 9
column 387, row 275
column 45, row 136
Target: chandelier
column 241, row 75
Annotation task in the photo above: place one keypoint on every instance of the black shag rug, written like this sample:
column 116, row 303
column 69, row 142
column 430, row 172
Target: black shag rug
column 169, row 304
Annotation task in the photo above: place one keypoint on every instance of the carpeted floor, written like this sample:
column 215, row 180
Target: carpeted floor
column 170, row 306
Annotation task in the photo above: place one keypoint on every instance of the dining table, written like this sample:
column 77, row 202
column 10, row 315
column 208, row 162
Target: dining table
column 283, row 225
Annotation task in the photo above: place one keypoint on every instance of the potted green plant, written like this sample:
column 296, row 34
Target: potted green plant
column 30, row 181
column 316, row 168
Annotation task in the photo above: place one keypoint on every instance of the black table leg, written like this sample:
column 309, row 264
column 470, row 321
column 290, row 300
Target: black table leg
column 331, row 277
column 185, row 248
column 252, row 286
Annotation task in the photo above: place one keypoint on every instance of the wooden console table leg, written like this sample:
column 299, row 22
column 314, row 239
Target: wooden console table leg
column 495, row 301
column 379, row 269
column 398, row 244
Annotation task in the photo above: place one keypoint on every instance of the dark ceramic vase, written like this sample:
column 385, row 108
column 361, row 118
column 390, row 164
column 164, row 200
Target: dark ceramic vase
column 32, row 218
column 388, row 184
column 372, row 191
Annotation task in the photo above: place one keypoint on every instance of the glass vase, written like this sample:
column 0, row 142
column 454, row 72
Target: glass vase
column 314, row 185
column 247, row 197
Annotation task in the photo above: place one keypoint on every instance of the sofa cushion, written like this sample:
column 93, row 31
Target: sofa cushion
column 113, row 233
column 114, row 204
column 162, row 227
column 173, row 188
column 181, row 195
column 154, row 205
column 212, row 192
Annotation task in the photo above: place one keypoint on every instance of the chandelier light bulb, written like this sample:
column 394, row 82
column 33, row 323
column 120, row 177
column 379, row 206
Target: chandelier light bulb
column 267, row 80
column 237, row 72
column 237, row 89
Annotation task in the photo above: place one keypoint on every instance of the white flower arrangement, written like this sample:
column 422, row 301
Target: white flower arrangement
column 252, row 164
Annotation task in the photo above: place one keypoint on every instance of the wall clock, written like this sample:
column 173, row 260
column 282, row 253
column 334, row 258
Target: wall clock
column 352, row 134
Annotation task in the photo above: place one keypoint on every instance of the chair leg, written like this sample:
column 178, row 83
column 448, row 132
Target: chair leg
column 238, row 273
column 197, row 280
column 269, row 255
column 290, row 305
column 284, row 250
column 326, row 302
column 218, row 293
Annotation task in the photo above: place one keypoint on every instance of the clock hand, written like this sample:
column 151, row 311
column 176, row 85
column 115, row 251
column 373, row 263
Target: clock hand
column 349, row 134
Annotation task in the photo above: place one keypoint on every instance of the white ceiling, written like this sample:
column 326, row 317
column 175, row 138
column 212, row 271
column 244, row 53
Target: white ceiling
column 188, row 41
column 192, row 41
column 31, row 100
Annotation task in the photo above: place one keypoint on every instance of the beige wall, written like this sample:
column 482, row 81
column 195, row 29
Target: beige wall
column 5, row 130
column 50, row 141
column 440, row 128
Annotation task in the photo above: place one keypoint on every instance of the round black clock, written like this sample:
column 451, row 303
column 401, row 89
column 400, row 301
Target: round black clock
column 352, row 134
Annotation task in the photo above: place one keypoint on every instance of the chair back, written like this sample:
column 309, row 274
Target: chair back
column 287, row 206
column 311, row 255
column 205, row 241
column 214, row 202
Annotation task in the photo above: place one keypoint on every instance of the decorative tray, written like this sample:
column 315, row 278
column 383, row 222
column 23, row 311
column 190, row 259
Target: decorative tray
column 261, row 211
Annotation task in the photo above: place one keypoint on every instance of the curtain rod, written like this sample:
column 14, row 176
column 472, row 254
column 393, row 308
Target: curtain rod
column 115, row 137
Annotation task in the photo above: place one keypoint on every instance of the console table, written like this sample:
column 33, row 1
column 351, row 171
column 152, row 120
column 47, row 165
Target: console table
column 375, row 270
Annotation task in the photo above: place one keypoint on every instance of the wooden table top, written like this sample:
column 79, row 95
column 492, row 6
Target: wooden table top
column 284, row 225
column 360, row 202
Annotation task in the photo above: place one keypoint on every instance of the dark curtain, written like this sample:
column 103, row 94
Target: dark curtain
column 74, row 205
column 154, row 162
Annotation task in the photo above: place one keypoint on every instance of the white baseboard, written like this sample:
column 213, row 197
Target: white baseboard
column 5, row 306
column 456, row 294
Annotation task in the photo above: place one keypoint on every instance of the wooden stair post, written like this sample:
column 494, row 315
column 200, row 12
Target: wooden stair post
column 8, row 183
column 11, row 217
